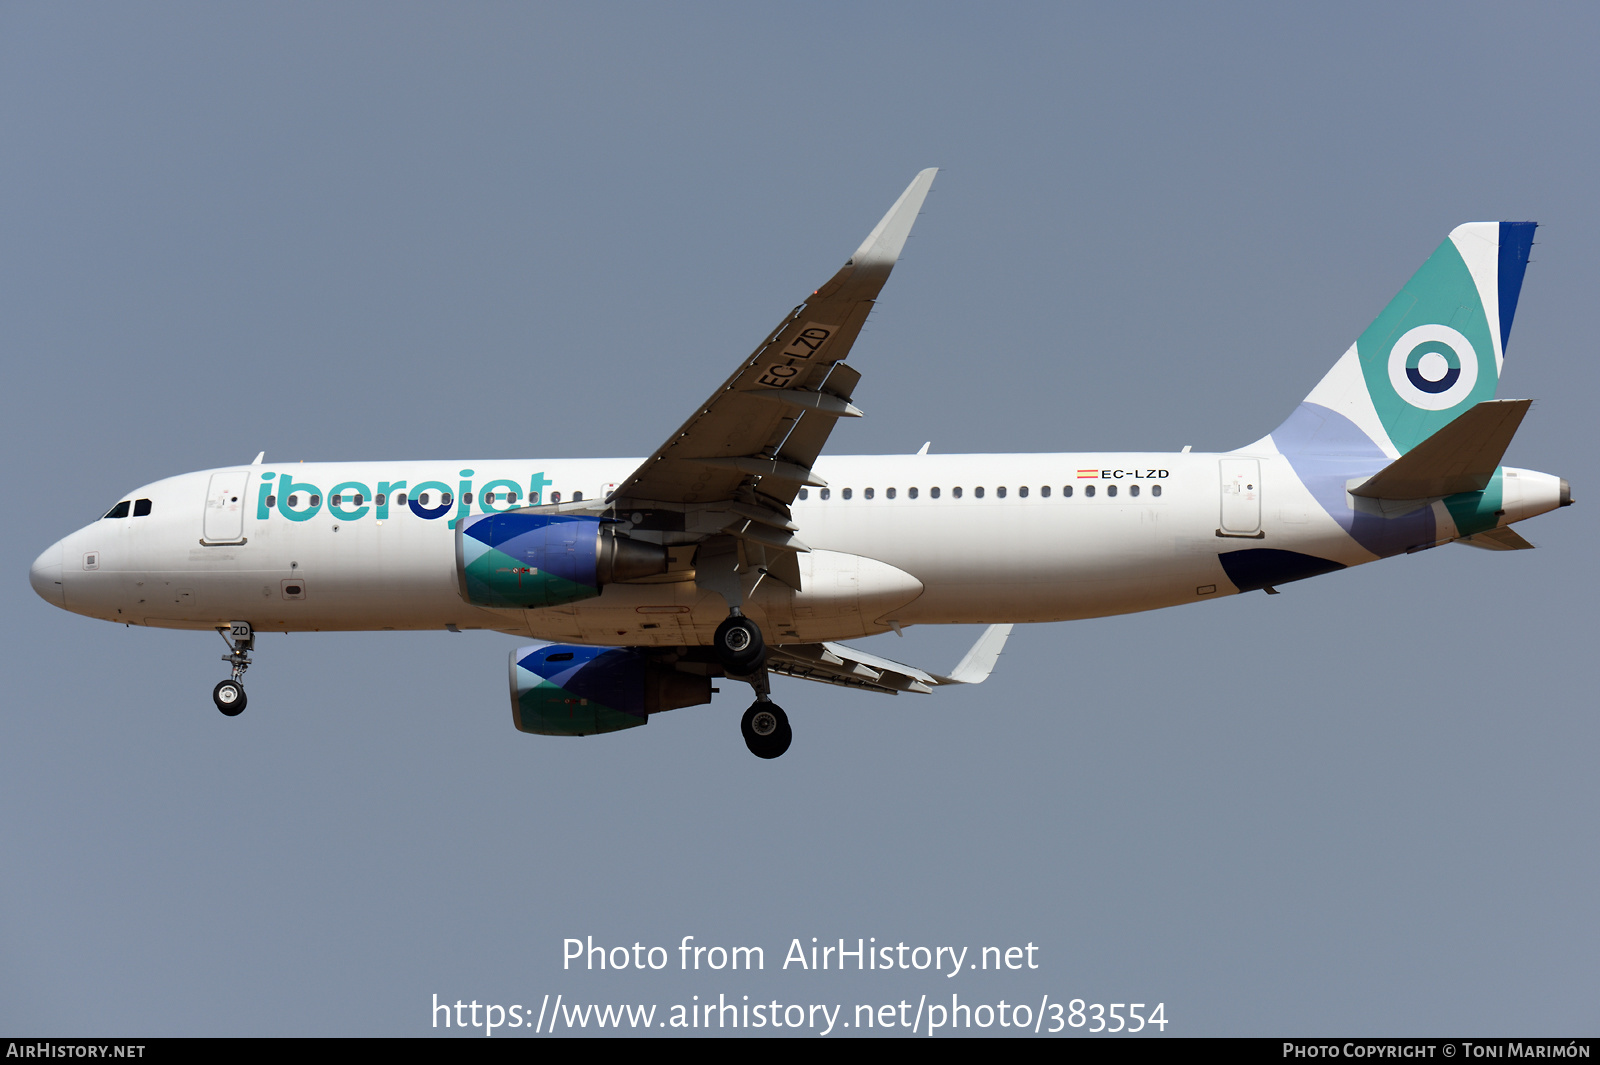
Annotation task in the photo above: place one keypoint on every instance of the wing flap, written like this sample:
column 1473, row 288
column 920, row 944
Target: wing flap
column 850, row 667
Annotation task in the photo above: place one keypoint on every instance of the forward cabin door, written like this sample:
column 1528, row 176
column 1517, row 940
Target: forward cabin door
column 225, row 503
column 1241, row 497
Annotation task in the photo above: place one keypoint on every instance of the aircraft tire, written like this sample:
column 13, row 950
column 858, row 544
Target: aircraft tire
column 775, row 735
column 229, row 697
column 739, row 645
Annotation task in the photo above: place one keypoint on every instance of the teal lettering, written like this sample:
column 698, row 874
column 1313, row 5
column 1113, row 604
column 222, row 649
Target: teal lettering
column 494, row 488
column 535, row 484
column 386, row 490
column 339, row 510
column 463, row 504
column 262, row 513
column 287, row 486
column 428, row 512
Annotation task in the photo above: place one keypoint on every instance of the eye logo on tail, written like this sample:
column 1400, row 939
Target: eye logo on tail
column 1433, row 367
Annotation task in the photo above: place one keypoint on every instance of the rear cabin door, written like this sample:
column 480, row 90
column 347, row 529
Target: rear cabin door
column 225, row 502
column 1241, row 496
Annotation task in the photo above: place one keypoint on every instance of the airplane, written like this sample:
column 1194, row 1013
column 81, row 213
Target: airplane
column 738, row 550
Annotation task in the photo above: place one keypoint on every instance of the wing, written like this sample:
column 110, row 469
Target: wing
column 762, row 430
column 834, row 663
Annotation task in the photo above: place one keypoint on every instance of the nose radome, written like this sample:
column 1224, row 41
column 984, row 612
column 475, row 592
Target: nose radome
column 45, row 576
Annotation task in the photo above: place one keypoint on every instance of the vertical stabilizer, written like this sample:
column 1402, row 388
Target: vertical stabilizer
column 1434, row 352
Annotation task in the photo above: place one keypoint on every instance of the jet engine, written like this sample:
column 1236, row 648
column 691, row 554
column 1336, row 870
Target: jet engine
column 570, row 690
column 525, row 559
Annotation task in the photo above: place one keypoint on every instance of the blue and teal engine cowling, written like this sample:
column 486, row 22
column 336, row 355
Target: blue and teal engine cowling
column 571, row 690
column 526, row 560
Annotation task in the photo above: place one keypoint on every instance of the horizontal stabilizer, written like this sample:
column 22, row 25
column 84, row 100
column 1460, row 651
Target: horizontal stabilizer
column 1461, row 457
column 1497, row 540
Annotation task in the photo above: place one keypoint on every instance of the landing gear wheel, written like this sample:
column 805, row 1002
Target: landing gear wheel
column 229, row 697
column 766, row 729
column 739, row 645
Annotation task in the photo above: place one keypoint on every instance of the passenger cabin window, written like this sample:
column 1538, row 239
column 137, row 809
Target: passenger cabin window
column 912, row 492
column 889, row 493
column 1044, row 490
column 120, row 510
column 804, row 494
column 399, row 499
column 1133, row 489
column 934, row 492
column 272, row 501
column 956, row 491
column 1111, row 489
column 978, row 491
column 826, row 492
column 378, row 499
column 1066, row 491
column 1023, row 491
column 868, row 493
column 141, row 507
column 1001, row 491
column 466, row 497
column 445, row 498
column 1155, row 489
column 847, row 493
column 1088, row 490
column 555, row 497
column 577, row 497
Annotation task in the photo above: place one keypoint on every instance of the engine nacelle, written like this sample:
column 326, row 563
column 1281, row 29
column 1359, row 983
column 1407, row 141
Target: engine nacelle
column 526, row 560
column 570, row 690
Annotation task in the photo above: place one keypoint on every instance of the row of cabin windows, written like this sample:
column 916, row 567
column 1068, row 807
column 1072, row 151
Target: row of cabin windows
column 141, row 508
column 1000, row 493
column 424, row 500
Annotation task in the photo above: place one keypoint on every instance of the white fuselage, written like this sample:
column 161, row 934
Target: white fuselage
column 898, row 540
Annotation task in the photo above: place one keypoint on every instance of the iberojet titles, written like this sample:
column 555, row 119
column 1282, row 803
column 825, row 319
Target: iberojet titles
column 284, row 486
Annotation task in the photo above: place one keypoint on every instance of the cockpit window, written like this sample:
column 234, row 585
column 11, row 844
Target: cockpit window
column 141, row 507
column 119, row 511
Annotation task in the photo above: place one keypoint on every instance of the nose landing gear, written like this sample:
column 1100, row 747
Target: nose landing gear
column 229, row 694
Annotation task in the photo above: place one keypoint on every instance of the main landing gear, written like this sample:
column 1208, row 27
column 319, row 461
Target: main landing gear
column 743, row 652
column 738, row 644
column 229, row 694
column 766, row 728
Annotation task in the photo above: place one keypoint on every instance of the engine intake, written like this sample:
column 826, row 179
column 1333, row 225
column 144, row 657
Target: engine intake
column 528, row 560
column 570, row 690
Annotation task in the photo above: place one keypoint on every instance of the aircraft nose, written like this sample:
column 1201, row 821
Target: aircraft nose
column 46, row 578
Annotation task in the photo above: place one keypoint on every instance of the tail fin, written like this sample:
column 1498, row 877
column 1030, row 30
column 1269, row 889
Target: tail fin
column 1436, row 350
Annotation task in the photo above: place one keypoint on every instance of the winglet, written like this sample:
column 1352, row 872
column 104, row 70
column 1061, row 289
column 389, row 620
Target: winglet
column 883, row 245
column 979, row 661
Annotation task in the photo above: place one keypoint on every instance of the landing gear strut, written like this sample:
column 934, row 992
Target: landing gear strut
column 229, row 694
column 765, row 726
